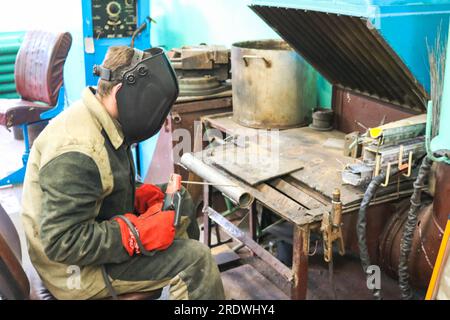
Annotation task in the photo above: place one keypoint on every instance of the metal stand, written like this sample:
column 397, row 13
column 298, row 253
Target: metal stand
column 298, row 275
column 18, row 176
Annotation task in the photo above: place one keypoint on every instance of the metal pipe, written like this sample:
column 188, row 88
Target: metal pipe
column 238, row 195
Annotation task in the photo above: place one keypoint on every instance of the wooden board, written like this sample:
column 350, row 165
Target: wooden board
column 245, row 283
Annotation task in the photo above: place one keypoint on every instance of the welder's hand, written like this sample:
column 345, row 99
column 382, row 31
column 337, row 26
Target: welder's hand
column 147, row 196
column 156, row 231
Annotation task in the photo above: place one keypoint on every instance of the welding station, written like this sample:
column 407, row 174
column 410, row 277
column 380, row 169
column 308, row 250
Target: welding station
column 225, row 150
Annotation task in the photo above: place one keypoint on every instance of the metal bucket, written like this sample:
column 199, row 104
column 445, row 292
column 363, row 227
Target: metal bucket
column 273, row 87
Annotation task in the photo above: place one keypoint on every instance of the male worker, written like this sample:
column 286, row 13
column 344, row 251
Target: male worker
column 81, row 211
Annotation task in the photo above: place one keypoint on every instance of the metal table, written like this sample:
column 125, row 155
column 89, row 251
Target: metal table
column 300, row 197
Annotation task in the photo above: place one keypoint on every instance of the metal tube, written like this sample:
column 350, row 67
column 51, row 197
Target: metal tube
column 220, row 182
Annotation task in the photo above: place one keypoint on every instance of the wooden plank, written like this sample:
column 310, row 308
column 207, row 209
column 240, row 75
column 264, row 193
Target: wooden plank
column 246, row 283
column 296, row 194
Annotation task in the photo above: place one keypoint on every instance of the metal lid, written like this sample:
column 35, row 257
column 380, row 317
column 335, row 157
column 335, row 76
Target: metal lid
column 349, row 52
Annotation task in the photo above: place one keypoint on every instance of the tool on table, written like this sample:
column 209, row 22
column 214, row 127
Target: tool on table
column 172, row 199
column 332, row 231
column 332, row 227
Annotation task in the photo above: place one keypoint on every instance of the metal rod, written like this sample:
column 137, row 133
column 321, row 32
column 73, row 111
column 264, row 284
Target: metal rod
column 239, row 235
column 208, row 184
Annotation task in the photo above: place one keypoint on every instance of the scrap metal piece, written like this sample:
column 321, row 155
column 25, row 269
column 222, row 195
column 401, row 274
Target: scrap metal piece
column 198, row 61
column 238, row 195
column 358, row 174
column 236, row 233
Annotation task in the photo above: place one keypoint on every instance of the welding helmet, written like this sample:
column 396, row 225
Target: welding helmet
column 149, row 90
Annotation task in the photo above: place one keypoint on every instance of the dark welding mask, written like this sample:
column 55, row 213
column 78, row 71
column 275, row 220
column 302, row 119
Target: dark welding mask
column 149, row 90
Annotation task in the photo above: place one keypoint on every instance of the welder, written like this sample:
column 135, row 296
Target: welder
column 82, row 209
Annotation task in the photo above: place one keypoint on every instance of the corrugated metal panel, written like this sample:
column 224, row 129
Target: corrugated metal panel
column 348, row 52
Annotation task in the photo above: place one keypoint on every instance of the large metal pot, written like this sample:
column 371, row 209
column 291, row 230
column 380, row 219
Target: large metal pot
column 273, row 87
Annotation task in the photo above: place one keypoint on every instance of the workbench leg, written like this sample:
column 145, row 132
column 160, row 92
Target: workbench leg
column 206, row 219
column 300, row 263
column 253, row 219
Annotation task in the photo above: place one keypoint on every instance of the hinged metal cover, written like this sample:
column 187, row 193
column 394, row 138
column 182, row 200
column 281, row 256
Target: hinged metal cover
column 349, row 52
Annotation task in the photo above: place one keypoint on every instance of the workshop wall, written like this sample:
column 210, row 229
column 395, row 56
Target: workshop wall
column 179, row 22
column 23, row 15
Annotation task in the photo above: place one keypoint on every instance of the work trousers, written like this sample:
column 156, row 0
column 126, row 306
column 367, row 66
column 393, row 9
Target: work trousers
column 187, row 266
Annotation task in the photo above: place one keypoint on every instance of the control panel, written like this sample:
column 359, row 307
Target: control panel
column 114, row 19
column 109, row 23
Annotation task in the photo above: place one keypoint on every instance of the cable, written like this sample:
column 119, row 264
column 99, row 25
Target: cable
column 408, row 231
column 362, row 224
column 136, row 235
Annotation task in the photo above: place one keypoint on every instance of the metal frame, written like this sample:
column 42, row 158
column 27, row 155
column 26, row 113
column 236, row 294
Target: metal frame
column 297, row 275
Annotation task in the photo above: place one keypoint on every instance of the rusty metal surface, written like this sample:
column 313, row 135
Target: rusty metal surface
column 442, row 194
column 348, row 52
column 427, row 236
column 223, row 255
column 246, row 283
column 351, row 108
column 236, row 233
column 254, row 164
column 319, row 176
column 300, row 263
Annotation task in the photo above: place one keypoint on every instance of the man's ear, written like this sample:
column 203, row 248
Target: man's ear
column 116, row 89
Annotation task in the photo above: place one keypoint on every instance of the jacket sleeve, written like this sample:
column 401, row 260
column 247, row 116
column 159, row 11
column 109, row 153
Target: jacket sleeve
column 72, row 188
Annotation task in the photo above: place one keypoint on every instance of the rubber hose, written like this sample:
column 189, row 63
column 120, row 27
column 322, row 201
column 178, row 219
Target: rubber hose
column 408, row 231
column 362, row 224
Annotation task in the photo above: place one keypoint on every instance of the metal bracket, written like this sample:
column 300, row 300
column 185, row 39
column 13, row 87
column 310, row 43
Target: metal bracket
column 332, row 228
column 388, row 175
column 403, row 166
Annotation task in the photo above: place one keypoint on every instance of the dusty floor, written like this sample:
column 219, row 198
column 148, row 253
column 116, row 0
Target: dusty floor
column 349, row 279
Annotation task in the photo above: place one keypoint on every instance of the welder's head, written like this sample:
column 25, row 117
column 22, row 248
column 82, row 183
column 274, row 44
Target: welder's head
column 117, row 59
column 145, row 88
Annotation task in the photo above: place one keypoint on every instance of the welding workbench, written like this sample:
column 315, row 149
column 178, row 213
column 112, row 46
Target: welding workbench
column 300, row 197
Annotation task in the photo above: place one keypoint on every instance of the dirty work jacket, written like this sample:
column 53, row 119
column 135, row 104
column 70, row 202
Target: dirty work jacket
column 79, row 175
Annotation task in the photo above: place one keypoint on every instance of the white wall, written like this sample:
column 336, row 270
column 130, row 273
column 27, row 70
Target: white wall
column 54, row 15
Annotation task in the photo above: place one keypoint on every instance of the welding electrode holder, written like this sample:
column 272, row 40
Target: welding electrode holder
column 172, row 199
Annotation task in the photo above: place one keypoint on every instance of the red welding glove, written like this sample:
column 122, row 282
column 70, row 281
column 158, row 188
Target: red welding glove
column 155, row 229
column 147, row 196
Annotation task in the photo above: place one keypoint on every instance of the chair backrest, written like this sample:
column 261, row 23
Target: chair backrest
column 14, row 284
column 39, row 65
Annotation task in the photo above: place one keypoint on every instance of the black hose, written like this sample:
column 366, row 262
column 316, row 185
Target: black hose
column 408, row 231
column 362, row 224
